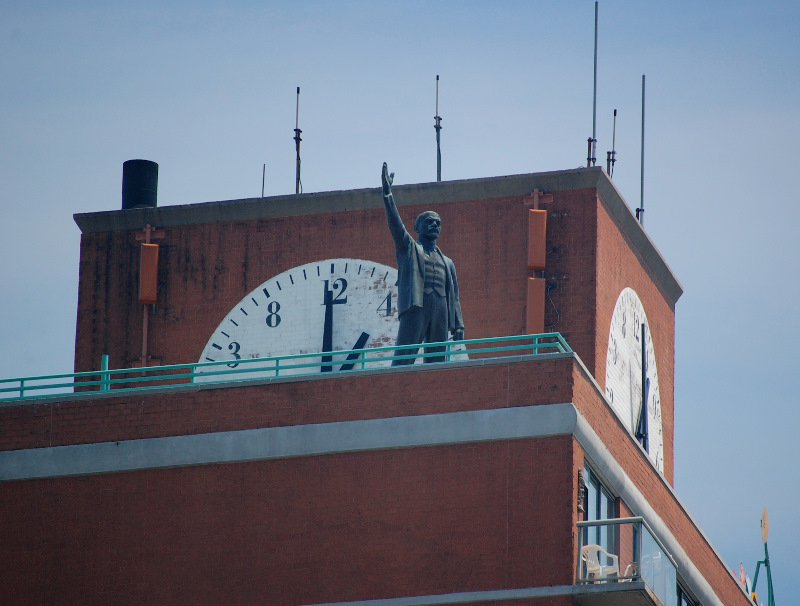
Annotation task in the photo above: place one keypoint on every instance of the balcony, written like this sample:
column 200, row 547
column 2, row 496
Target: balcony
column 621, row 561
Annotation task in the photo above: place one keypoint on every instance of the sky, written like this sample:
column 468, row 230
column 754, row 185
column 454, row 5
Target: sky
column 208, row 90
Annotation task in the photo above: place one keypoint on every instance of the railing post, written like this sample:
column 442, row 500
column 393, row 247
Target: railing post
column 104, row 378
column 22, row 388
column 637, row 555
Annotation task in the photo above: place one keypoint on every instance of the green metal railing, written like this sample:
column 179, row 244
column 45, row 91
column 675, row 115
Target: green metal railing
column 307, row 364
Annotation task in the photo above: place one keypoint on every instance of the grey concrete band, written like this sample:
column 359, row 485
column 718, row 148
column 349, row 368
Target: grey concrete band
column 295, row 441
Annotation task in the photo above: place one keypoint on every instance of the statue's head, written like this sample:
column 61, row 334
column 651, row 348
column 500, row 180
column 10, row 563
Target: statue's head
column 428, row 225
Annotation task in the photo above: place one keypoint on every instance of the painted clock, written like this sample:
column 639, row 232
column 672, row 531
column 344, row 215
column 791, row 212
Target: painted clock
column 323, row 306
column 630, row 369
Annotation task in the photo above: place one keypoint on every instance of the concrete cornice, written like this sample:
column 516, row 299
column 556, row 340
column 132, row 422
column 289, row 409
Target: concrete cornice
column 337, row 201
column 405, row 195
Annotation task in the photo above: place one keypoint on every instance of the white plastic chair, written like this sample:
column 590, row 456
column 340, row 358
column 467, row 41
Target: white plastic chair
column 591, row 554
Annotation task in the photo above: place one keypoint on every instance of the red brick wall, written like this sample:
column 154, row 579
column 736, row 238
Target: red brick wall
column 571, row 264
column 346, row 398
column 109, row 524
column 294, row 531
column 204, row 270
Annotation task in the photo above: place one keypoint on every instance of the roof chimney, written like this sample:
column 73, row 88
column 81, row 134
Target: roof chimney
column 139, row 184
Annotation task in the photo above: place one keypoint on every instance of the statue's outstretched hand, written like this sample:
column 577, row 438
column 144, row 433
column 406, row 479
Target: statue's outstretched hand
column 387, row 180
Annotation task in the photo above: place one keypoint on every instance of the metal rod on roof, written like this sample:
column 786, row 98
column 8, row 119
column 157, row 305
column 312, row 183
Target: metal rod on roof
column 297, row 139
column 640, row 210
column 438, row 126
column 611, row 157
column 594, row 96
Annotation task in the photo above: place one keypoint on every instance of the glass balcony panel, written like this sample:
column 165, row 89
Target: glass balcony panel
column 625, row 550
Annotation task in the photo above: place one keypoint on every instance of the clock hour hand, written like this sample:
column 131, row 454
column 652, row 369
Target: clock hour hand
column 362, row 341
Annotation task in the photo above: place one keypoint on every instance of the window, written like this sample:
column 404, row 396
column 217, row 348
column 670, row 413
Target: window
column 599, row 504
column 684, row 599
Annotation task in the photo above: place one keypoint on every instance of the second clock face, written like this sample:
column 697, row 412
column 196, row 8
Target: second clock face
column 324, row 306
column 624, row 372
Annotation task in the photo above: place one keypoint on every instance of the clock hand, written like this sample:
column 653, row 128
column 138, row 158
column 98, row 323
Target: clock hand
column 327, row 330
column 362, row 341
column 641, row 428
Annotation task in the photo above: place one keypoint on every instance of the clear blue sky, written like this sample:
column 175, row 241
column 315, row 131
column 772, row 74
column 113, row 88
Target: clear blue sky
column 207, row 90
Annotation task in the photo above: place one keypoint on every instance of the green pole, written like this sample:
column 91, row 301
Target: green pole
column 104, row 373
column 770, row 596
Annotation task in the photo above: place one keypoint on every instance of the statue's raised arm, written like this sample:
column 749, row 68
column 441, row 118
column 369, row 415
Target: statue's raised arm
column 387, row 179
column 398, row 230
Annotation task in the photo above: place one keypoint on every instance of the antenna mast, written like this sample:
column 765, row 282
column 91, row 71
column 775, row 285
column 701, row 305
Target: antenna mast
column 765, row 562
column 590, row 160
column 640, row 210
column 611, row 157
column 438, row 126
column 297, row 139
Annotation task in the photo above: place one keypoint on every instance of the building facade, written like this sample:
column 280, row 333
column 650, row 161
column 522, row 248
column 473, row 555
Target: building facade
column 478, row 480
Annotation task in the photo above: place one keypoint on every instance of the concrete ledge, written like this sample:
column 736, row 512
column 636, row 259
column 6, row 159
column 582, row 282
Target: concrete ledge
column 290, row 441
column 338, row 201
column 405, row 195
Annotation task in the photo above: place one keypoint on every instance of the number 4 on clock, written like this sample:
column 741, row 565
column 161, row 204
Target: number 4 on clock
column 386, row 305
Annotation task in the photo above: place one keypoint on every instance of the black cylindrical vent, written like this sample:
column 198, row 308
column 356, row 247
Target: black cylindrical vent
column 139, row 184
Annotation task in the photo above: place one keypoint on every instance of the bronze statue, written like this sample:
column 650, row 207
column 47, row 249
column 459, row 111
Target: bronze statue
column 427, row 288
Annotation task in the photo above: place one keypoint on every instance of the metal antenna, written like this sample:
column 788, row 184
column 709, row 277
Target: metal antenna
column 640, row 210
column 297, row 139
column 263, row 176
column 611, row 157
column 438, row 126
column 591, row 159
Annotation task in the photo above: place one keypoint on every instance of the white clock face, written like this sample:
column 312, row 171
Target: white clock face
column 624, row 373
column 331, row 305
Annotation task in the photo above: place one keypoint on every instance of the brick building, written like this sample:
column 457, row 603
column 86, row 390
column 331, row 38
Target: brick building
column 485, row 479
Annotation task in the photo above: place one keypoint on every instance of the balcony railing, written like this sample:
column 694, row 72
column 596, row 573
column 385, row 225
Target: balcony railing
column 307, row 364
column 624, row 550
